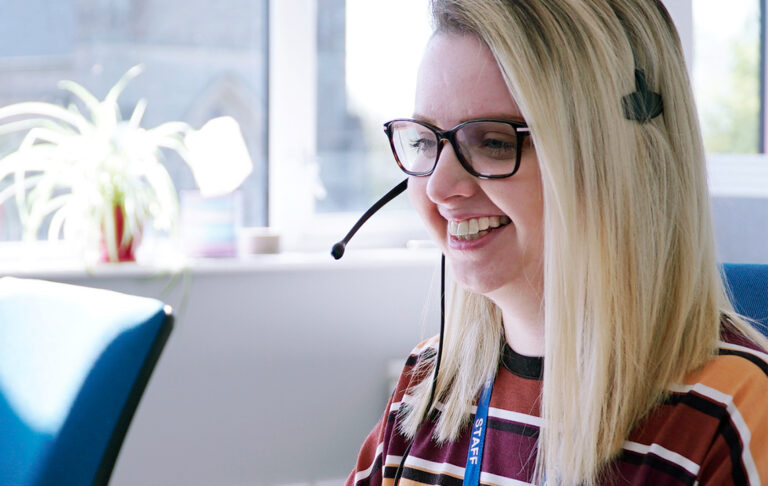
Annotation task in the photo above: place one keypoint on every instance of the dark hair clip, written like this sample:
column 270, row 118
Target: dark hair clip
column 642, row 105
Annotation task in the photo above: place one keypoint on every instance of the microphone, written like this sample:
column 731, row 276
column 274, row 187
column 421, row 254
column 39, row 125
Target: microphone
column 338, row 249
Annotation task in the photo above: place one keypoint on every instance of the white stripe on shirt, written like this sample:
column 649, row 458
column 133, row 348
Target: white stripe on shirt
column 367, row 471
column 664, row 453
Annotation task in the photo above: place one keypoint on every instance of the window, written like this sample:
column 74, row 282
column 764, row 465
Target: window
column 727, row 41
column 338, row 70
column 202, row 59
column 727, row 62
column 368, row 54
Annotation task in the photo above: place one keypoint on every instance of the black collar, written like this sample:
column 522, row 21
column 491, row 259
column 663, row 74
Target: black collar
column 531, row 367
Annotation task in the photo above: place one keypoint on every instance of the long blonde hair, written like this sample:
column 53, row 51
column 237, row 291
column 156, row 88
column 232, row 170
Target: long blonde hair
column 633, row 298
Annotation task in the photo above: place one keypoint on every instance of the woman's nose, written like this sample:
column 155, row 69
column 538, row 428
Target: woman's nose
column 449, row 179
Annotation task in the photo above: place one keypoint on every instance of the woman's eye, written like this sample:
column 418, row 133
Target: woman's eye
column 497, row 144
column 422, row 144
column 499, row 147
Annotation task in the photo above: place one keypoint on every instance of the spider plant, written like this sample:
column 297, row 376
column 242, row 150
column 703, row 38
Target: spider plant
column 88, row 173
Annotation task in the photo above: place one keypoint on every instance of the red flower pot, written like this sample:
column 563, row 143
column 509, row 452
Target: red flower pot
column 125, row 251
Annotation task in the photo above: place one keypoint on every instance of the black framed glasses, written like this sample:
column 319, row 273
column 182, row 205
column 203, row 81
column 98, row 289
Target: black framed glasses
column 486, row 148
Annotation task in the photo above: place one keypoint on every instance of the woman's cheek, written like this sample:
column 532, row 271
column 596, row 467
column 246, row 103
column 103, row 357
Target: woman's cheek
column 417, row 194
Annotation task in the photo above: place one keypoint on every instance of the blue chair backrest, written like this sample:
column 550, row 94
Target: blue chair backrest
column 748, row 288
column 74, row 362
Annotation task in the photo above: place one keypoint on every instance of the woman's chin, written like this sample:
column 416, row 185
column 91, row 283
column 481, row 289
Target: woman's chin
column 474, row 283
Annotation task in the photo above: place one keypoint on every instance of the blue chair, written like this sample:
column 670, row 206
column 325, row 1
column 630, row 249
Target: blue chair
column 74, row 362
column 748, row 287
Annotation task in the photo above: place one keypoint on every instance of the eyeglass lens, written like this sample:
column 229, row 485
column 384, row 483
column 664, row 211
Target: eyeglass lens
column 490, row 148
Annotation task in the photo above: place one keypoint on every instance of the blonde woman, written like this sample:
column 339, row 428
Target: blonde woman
column 555, row 156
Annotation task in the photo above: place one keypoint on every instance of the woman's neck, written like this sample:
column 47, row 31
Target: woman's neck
column 523, row 315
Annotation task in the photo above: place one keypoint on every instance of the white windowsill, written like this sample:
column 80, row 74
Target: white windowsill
column 737, row 175
column 33, row 266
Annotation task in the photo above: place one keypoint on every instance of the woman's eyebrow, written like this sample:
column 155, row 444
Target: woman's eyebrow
column 515, row 117
column 426, row 119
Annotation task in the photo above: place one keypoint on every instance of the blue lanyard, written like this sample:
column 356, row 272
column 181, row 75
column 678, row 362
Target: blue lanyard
column 477, row 439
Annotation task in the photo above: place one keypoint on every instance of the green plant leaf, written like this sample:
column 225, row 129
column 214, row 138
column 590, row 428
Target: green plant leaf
column 20, row 193
column 35, row 108
column 34, row 159
column 40, row 200
column 174, row 130
column 88, row 99
column 138, row 113
column 41, row 211
column 133, row 213
column 16, row 164
column 114, row 93
column 11, row 162
column 27, row 215
column 167, row 199
column 59, row 218
column 10, row 191
column 109, row 230
column 28, row 124
column 41, row 134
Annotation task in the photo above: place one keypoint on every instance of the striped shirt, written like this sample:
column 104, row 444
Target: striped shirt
column 711, row 430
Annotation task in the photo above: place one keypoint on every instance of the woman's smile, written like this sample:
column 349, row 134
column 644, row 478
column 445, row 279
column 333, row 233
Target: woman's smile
column 475, row 228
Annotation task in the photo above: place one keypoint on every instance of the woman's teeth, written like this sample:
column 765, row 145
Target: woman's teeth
column 474, row 228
